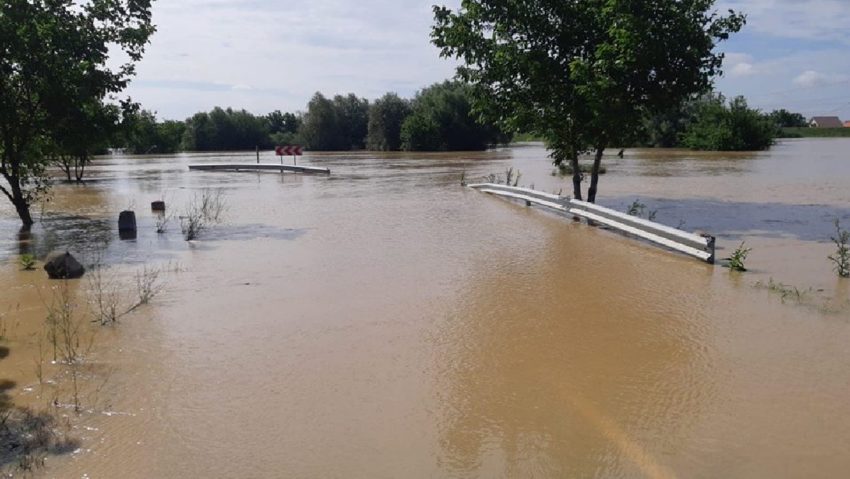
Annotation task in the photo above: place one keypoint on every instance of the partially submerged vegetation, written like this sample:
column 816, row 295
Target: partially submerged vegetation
column 68, row 378
column 110, row 299
column 28, row 436
column 841, row 258
column 732, row 126
column 639, row 209
column 738, row 258
column 59, row 86
column 569, row 74
column 27, row 262
column 785, row 291
column 204, row 210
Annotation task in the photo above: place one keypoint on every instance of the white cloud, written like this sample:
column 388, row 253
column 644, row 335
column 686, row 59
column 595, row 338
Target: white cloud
column 263, row 55
column 274, row 54
column 819, row 20
column 739, row 64
column 811, row 78
column 783, row 82
column 742, row 70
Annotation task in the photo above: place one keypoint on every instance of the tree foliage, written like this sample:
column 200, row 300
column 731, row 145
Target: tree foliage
column 84, row 131
column 732, row 127
column 141, row 133
column 582, row 74
column 225, row 130
column 664, row 129
column 283, row 128
column 335, row 125
column 786, row 119
column 442, row 120
column 386, row 116
column 54, row 68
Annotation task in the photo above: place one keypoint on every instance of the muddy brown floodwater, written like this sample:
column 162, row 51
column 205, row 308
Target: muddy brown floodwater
column 385, row 322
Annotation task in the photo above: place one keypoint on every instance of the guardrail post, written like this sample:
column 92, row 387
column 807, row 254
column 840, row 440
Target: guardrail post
column 710, row 248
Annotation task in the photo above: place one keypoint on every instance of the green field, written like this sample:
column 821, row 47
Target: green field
column 815, row 133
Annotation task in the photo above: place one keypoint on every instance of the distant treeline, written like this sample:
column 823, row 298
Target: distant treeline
column 438, row 118
column 806, row 132
column 710, row 122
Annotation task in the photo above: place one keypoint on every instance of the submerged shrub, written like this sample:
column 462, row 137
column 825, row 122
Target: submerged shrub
column 203, row 211
column 27, row 262
column 738, row 257
column 735, row 127
column 841, row 258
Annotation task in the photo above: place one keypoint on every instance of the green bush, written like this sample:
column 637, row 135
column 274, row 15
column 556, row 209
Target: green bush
column 442, row 120
column 732, row 127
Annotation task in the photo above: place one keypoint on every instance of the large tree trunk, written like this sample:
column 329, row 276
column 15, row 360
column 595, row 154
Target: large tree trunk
column 576, row 176
column 18, row 199
column 80, row 168
column 594, row 174
column 22, row 207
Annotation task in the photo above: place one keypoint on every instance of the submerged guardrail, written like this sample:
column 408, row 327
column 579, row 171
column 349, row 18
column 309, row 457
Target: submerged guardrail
column 260, row 167
column 692, row 244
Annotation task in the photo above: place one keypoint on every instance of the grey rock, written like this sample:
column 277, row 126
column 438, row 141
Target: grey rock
column 63, row 266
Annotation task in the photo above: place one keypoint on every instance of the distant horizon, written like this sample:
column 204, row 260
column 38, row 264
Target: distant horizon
column 272, row 55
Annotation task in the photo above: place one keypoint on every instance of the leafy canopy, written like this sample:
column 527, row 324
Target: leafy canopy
column 581, row 73
column 735, row 127
column 442, row 119
column 386, row 116
column 53, row 66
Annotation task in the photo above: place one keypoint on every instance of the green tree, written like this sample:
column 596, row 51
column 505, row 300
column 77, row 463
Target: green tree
column 340, row 124
column 225, row 130
column 169, row 135
column 141, row 133
column 385, row 119
column 320, row 127
column 54, row 61
column 442, row 119
column 83, row 132
column 582, row 74
column 735, row 127
column 283, row 127
column 664, row 129
column 786, row 119
column 352, row 115
column 282, row 123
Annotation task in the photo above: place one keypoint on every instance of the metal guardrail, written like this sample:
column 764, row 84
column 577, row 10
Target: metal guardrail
column 699, row 246
column 259, row 167
column 526, row 194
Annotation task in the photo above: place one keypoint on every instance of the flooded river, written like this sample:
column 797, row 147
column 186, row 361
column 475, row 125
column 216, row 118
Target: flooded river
column 385, row 322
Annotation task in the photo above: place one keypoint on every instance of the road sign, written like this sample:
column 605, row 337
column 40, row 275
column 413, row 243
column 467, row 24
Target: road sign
column 288, row 150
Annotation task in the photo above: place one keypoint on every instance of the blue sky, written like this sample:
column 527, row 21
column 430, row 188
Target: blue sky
column 264, row 55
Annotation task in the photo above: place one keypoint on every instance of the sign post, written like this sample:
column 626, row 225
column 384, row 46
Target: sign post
column 294, row 150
